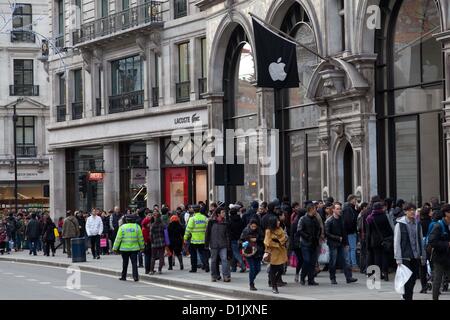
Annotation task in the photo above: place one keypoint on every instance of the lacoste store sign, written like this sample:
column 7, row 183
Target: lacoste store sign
column 187, row 120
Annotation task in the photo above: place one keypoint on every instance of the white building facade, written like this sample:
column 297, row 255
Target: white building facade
column 24, row 83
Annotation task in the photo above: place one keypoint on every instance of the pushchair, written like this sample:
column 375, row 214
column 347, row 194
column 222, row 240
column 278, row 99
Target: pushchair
column 445, row 280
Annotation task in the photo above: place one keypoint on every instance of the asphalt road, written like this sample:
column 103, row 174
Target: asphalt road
column 21, row 281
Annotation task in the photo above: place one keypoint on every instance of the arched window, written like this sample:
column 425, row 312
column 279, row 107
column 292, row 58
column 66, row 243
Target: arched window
column 410, row 92
column 297, row 118
column 240, row 111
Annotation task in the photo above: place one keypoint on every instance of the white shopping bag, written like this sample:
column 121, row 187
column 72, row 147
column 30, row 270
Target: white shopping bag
column 324, row 256
column 401, row 277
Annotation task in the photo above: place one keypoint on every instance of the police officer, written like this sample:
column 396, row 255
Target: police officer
column 195, row 234
column 129, row 241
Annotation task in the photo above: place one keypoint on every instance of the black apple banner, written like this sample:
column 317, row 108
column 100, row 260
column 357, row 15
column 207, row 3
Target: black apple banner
column 276, row 59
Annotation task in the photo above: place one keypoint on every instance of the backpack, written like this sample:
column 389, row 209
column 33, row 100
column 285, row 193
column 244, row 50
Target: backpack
column 430, row 228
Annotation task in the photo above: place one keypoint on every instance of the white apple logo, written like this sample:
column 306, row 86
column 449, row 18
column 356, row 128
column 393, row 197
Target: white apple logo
column 276, row 70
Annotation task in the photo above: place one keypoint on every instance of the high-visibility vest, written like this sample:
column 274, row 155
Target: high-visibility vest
column 129, row 238
column 196, row 229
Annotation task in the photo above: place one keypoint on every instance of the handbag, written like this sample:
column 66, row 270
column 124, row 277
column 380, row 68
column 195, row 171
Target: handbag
column 266, row 257
column 56, row 232
column 103, row 243
column 324, row 256
column 293, row 260
column 387, row 242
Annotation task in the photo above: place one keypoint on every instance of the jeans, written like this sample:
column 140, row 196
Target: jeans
column 338, row 254
column 236, row 255
column 32, row 244
column 193, row 250
column 132, row 255
column 38, row 244
column 438, row 275
column 95, row 246
column 19, row 239
column 413, row 265
column 255, row 267
column 215, row 254
column 352, row 240
column 309, row 262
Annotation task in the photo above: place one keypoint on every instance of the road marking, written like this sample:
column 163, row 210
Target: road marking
column 133, row 297
column 19, row 276
column 86, row 292
column 31, row 280
column 8, row 273
column 155, row 296
column 216, row 296
column 176, row 298
column 44, row 282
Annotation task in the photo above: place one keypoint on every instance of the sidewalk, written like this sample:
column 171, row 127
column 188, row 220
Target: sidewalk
column 238, row 286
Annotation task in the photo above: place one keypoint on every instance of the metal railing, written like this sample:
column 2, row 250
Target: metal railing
column 180, row 8
column 183, row 91
column 155, row 96
column 202, row 87
column 24, row 151
column 22, row 36
column 61, row 113
column 98, row 106
column 149, row 12
column 77, row 110
column 126, row 102
column 23, row 90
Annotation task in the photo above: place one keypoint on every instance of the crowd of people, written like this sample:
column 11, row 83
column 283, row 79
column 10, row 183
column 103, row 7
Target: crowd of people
column 220, row 239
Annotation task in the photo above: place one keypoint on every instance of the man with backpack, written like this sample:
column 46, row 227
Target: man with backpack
column 439, row 240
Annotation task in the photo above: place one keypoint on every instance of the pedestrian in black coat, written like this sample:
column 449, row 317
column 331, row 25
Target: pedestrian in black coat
column 48, row 236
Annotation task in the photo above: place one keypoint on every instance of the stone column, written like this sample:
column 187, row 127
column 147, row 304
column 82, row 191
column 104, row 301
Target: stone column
column 111, row 179
column 268, row 154
column 215, row 122
column 57, row 183
column 153, row 173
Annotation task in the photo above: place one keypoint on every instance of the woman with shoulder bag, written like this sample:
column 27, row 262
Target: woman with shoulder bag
column 275, row 242
column 380, row 238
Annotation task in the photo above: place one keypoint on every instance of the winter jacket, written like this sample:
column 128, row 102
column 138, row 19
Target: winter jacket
column 157, row 235
column 146, row 229
column 129, row 238
column 248, row 234
column 176, row 233
column 11, row 225
column 375, row 238
column 71, row 228
column 196, row 229
column 33, row 230
column 48, row 233
column 94, row 226
column 106, row 228
column 275, row 243
column 82, row 226
column 439, row 241
column 402, row 244
column 114, row 221
column 217, row 235
column 334, row 229
column 236, row 227
column 350, row 216
column 309, row 230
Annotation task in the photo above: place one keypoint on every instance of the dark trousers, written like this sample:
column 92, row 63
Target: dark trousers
column 438, row 275
column 203, row 256
column 254, row 265
column 32, row 244
column 47, row 246
column 413, row 265
column 172, row 261
column 309, row 262
column 95, row 246
column 338, row 254
column 363, row 257
column 275, row 273
column 157, row 254
column 147, row 257
column 381, row 259
column 132, row 255
column 68, row 247
column 298, row 254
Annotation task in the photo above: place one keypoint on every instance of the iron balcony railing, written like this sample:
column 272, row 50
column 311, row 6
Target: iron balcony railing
column 126, row 102
column 23, row 90
column 77, row 110
column 24, row 151
column 61, row 113
column 98, row 106
column 22, row 36
column 202, row 87
column 149, row 12
column 183, row 91
column 155, row 96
